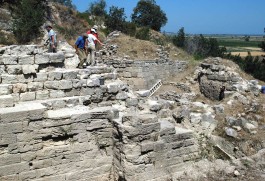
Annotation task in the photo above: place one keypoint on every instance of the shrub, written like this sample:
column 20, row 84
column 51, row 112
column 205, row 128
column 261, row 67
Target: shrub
column 28, row 17
column 143, row 33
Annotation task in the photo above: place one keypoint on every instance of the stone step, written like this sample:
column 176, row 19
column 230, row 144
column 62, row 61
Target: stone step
column 6, row 101
column 5, row 89
column 18, row 113
column 57, row 74
column 58, row 103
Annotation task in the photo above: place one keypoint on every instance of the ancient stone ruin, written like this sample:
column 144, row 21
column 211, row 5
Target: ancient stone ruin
column 61, row 123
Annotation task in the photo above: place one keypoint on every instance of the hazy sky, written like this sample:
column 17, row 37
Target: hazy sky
column 202, row 16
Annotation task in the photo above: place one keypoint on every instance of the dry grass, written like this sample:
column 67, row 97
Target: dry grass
column 244, row 54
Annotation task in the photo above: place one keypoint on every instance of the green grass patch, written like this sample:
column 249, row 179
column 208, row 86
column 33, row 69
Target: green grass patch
column 233, row 43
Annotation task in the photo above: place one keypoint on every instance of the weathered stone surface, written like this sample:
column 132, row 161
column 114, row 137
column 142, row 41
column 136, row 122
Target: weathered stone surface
column 69, row 75
column 8, row 59
column 72, row 62
column 62, row 84
column 20, row 88
column 6, row 101
column 14, row 69
column 56, row 57
column 42, row 59
column 28, row 96
column 30, row 69
column 41, row 77
column 122, row 96
column 56, row 75
column 8, row 79
column 26, row 60
column 57, row 93
column 231, row 132
column 42, row 95
column 5, row 89
column 34, row 86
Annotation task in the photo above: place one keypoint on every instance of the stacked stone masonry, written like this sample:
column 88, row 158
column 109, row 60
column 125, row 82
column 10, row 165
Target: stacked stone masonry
column 144, row 74
column 63, row 124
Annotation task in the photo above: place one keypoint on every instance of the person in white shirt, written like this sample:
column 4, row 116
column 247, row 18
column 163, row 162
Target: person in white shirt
column 92, row 47
column 52, row 39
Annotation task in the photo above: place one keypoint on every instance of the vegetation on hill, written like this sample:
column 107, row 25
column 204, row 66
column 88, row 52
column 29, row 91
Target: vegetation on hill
column 28, row 17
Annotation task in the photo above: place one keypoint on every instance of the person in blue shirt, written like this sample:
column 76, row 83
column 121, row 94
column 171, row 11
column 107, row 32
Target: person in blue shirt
column 80, row 49
column 52, row 39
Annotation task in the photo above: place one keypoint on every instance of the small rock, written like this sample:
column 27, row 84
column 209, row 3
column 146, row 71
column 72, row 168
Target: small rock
column 236, row 173
column 231, row 132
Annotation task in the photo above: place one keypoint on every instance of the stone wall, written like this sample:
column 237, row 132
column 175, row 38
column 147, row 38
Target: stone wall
column 144, row 74
column 63, row 124
column 40, row 144
column 146, row 148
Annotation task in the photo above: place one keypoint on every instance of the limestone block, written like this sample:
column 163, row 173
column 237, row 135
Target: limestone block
column 30, row 69
column 167, row 128
column 55, row 75
column 7, row 139
column 8, row 59
column 8, row 79
column 93, row 82
column 25, row 78
column 2, row 69
column 42, row 58
column 34, row 86
column 14, row 168
column 131, row 102
column 8, row 159
column 29, row 175
column 5, row 89
column 14, row 69
column 143, row 93
column 15, row 97
column 41, row 77
column 71, row 63
column 122, row 96
column 62, row 84
column 26, row 60
column 19, row 88
column 86, row 91
column 127, row 75
column 6, row 101
column 57, row 93
column 98, row 124
column 42, row 95
column 27, row 96
column 70, row 75
column 113, row 89
column 77, row 83
column 11, row 128
column 56, row 57
column 147, row 147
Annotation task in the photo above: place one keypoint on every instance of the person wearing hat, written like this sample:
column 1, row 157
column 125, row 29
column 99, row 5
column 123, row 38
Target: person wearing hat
column 80, row 49
column 52, row 39
column 91, row 39
column 95, row 27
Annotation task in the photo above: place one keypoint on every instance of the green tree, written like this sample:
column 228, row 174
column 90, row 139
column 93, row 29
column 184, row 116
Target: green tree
column 179, row 40
column 115, row 20
column 67, row 3
column 148, row 13
column 28, row 17
column 98, row 8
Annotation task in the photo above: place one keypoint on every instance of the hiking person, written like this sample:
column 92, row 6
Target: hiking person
column 95, row 27
column 52, row 39
column 92, row 46
column 80, row 49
